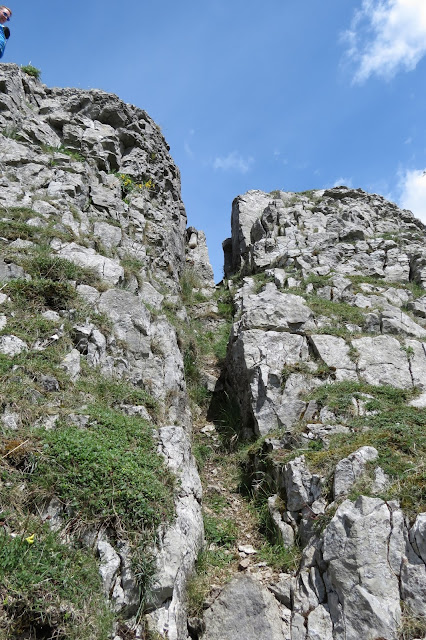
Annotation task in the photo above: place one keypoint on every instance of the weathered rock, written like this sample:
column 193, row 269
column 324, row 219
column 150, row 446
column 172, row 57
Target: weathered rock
column 109, row 564
column 301, row 487
column 365, row 588
column 335, row 353
column 418, row 536
column 284, row 530
column 273, row 310
column 71, row 364
column 283, row 589
column 319, row 624
column 180, row 543
column 10, row 419
column 106, row 268
column 350, row 469
column 381, row 361
column 12, row 345
column 244, row 610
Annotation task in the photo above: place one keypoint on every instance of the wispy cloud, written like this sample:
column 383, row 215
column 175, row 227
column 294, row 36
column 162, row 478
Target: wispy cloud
column 339, row 182
column 187, row 146
column 386, row 36
column 234, row 161
column 413, row 192
column 189, row 152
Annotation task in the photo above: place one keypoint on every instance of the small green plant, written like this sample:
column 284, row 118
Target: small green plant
column 409, row 352
column 261, row 279
column 75, row 155
column 280, row 558
column 220, row 531
column 132, row 267
column 202, row 452
column 297, row 367
column 310, row 193
column 31, row 71
column 128, row 185
column 11, row 132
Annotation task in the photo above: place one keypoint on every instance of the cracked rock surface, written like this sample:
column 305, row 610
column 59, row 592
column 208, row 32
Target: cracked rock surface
column 328, row 298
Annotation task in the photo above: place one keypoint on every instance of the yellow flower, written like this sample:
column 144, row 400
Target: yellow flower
column 30, row 539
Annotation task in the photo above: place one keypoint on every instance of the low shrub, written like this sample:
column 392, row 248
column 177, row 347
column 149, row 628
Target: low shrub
column 31, row 71
column 107, row 473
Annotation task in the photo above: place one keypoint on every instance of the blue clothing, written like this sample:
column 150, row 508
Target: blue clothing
column 2, row 42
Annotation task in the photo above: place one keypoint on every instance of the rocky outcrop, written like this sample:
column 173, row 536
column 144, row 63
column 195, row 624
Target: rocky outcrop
column 320, row 266
column 328, row 322
column 245, row 610
column 87, row 181
column 179, row 544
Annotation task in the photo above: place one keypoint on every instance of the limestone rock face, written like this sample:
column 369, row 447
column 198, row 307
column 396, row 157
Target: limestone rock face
column 76, row 158
column 329, row 320
column 360, row 576
column 179, row 544
column 328, row 282
column 89, row 181
column 329, row 329
column 244, row 610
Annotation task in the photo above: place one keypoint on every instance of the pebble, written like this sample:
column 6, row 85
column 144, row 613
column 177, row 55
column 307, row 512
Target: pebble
column 247, row 549
column 244, row 564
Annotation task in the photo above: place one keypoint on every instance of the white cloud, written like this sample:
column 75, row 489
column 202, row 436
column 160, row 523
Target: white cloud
column 346, row 182
column 233, row 162
column 189, row 152
column 413, row 192
column 386, row 36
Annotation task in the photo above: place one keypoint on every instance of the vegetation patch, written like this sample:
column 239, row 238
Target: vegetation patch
column 14, row 225
column 74, row 155
column 30, row 70
column 107, row 472
column 338, row 396
column 341, row 311
column 190, row 287
column 49, row 589
column 280, row 558
column 393, row 428
column 104, row 469
column 128, row 185
column 44, row 265
column 113, row 392
column 42, row 293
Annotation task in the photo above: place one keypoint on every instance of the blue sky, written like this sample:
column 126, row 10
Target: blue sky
column 265, row 95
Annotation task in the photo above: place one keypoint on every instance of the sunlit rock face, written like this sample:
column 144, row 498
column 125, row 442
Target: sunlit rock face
column 327, row 295
column 329, row 320
column 98, row 171
column 89, row 180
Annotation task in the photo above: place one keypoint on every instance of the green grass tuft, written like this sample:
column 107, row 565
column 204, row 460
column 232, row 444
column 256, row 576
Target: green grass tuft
column 49, row 586
column 107, row 472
